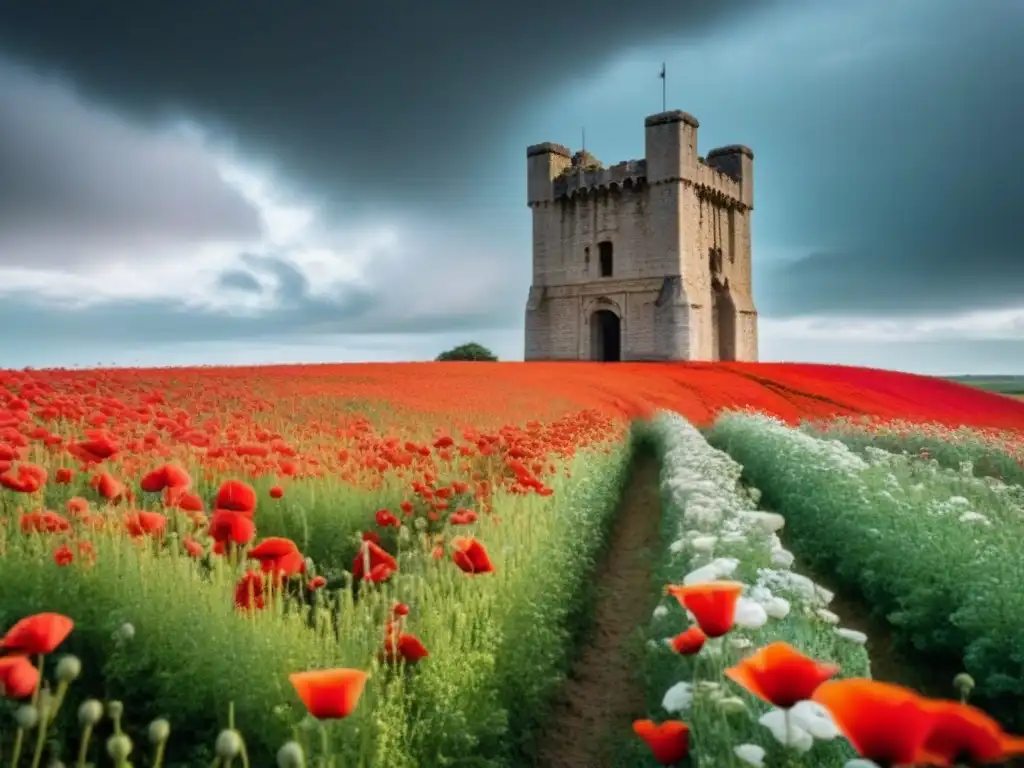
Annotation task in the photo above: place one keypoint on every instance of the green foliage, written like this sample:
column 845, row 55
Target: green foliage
column 707, row 479
column 935, row 551
column 158, row 631
column 472, row 352
column 987, row 455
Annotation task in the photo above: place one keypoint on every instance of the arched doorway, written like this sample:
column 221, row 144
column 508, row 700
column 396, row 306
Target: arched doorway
column 724, row 315
column 605, row 336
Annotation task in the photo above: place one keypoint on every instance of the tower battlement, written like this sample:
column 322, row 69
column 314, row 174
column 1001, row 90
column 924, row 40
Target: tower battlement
column 649, row 258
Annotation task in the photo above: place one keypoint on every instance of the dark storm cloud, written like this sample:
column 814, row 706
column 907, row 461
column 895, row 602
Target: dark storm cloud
column 900, row 173
column 392, row 99
column 75, row 183
column 919, row 281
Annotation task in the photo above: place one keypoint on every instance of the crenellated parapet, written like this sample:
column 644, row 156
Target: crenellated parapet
column 584, row 180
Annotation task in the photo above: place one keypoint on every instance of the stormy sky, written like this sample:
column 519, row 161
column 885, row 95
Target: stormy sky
column 219, row 182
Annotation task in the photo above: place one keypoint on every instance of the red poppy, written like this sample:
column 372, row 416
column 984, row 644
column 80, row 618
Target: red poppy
column 471, row 556
column 109, row 487
column 165, row 476
column 386, row 519
column 192, row 547
column 139, row 522
column 24, row 478
column 329, row 694
column 276, row 491
column 402, row 645
column 249, row 592
column 181, row 499
column 98, row 447
column 228, row 527
column 63, row 555
column 236, row 496
column 713, row 604
column 63, row 475
column 373, row 556
column 689, row 642
column 669, row 741
column 885, row 723
column 38, row 634
column 780, row 674
column 18, row 677
column 962, row 734
column 77, row 506
column 462, row 517
column 273, row 547
column 317, row 582
column 43, row 521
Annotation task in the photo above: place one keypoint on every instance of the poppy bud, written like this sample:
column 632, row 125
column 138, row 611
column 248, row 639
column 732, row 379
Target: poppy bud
column 732, row 705
column 290, row 756
column 229, row 744
column 964, row 684
column 119, row 747
column 115, row 709
column 27, row 717
column 90, row 712
column 159, row 731
column 68, row 668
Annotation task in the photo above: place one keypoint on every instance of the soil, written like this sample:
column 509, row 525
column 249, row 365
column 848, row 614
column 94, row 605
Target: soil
column 604, row 692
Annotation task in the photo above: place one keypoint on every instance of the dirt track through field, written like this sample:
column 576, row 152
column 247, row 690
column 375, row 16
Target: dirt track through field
column 604, row 692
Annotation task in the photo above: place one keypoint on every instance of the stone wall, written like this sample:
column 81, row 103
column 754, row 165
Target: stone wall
column 679, row 227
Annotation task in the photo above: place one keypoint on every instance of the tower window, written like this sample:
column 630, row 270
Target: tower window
column 586, row 258
column 604, row 251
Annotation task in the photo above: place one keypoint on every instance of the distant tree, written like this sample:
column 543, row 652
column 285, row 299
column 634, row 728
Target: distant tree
column 472, row 351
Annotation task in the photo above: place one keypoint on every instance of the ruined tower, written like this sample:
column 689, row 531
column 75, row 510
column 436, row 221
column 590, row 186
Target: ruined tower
column 646, row 260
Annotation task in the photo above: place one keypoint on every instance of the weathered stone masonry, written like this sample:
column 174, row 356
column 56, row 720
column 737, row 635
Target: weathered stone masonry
column 646, row 260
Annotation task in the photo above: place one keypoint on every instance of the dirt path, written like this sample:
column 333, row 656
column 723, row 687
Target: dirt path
column 604, row 692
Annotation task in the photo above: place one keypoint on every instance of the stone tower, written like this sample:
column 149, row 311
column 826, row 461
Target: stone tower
column 646, row 260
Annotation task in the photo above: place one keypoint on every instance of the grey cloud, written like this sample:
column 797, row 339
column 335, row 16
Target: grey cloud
column 393, row 99
column 239, row 280
column 369, row 309
column 79, row 185
column 921, row 281
column 136, row 323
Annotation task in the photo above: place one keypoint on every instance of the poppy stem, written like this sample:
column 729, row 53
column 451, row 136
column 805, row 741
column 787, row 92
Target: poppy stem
column 324, row 744
column 83, row 747
column 19, row 738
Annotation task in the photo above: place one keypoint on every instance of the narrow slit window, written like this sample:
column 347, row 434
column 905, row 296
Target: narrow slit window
column 604, row 250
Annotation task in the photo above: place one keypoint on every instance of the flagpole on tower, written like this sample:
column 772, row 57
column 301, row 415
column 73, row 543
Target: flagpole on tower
column 664, row 108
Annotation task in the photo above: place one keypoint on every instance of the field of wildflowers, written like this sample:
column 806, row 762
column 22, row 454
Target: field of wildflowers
column 393, row 565
column 932, row 549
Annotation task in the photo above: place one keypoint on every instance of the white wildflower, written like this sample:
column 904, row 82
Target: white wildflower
column 777, row 608
column 678, row 698
column 815, row 719
column 751, row 754
column 785, row 731
column 750, row 614
column 704, row 543
column 853, row 635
